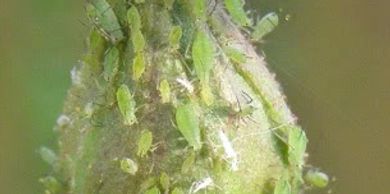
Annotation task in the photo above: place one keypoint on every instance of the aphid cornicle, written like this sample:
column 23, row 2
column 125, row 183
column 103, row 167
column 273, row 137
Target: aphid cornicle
column 103, row 16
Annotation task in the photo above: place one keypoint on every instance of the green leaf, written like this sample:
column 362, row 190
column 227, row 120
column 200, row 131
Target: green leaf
column 188, row 124
column 265, row 26
column 297, row 146
column 126, row 104
column 138, row 66
column 203, row 56
column 237, row 12
column 144, row 143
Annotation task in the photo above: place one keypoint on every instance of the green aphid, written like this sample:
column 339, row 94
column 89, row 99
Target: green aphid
column 164, row 181
column 48, row 155
column 203, row 53
column 235, row 55
column 139, row 1
column 282, row 186
column 96, row 47
column 165, row 91
column 297, row 146
column 138, row 40
column 134, row 19
column 153, row 190
column 149, row 182
column 175, row 36
column 199, row 8
column 169, row 4
column 188, row 124
column 126, row 104
column 265, row 26
column 144, row 143
column 111, row 64
column 188, row 163
column 127, row 165
column 51, row 184
column 103, row 16
column 177, row 191
column 138, row 65
column 236, row 10
column 206, row 94
column 316, row 178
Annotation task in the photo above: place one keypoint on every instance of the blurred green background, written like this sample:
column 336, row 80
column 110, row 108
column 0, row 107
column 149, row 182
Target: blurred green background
column 332, row 58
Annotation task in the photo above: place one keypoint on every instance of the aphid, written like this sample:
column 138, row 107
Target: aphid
column 175, row 36
column 236, row 10
column 282, row 186
column 139, row 1
column 202, row 184
column 111, row 64
column 144, row 143
column 203, row 53
column 133, row 18
column 126, row 104
column 199, row 9
column 206, row 94
column 153, row 190
column 165, row 91
column 138, row 65
column 164, row 181
column 188, row 163
column 51, row 184
column 188, row 124
column 297, row 141
column 203, row 58
column 103, row 16
column 146, row 184
column 168, row 4
column 138, row 41
column 177, row 191
column 265, row 26
column 48, row 155
column 235, row 55
column 316, row 178
column 129, row 166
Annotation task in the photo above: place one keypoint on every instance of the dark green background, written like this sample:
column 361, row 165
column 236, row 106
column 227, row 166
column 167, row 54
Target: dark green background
column 332, row 58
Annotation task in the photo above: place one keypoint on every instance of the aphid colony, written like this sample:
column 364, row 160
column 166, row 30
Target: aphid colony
column 187, row 117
